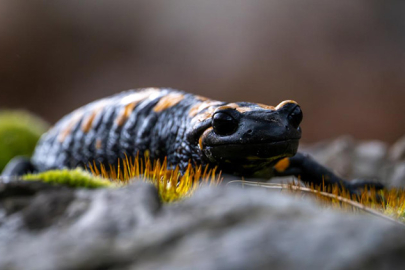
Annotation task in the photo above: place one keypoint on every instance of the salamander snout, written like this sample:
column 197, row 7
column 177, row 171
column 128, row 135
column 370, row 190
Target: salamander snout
column 248, row 136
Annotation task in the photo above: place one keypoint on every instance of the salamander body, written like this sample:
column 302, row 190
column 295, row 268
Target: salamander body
column 241, row 138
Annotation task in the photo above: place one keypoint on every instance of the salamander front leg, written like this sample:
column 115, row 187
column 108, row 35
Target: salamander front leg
column 18, row 166
column 309, row 171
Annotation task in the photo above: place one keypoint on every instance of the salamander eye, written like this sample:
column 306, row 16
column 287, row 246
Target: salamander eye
column 224, row 123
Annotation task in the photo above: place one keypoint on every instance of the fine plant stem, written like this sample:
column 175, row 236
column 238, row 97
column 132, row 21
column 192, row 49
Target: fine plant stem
column 322, row 193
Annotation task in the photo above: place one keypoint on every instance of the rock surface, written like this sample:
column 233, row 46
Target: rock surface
column 372, row 160
column 218, row 228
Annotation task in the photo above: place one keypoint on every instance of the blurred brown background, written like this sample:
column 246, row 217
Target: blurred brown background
column 343, row 61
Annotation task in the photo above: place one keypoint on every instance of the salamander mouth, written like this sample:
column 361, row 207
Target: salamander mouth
column 254, row 152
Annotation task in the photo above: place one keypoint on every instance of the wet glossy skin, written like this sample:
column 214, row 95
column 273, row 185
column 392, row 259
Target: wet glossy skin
column 245, row 139
column 248, row 142
column 241, row 138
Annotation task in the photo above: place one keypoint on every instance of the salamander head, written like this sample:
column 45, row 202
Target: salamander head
column 244, row 138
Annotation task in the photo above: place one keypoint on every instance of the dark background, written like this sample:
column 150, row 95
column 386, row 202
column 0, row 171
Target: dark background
column 343, row 61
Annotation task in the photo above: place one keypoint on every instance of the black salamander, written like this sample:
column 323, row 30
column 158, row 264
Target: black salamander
column 241, row 138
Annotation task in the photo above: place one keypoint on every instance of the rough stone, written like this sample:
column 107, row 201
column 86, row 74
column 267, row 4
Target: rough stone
column 397, row 151
column 45, row 208
column 225, row 227
column 397, row 178
column 369, row 159
column 17, row 195
column 337, row 154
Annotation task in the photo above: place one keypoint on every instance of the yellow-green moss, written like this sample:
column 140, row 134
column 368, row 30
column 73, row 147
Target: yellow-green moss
column 77, row 178
column 171, row 184
column 19, row 133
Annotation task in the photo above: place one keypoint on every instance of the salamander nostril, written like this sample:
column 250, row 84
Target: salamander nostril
column 295, row 117
column 249, row 132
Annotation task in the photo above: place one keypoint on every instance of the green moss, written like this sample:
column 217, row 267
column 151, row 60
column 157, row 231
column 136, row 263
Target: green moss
column 19, row 133
column 73, row 178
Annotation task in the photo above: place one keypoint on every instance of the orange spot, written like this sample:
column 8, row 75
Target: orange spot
column 235, row 107
column 227, row 107
column 195, row 109
column 88, row 121
column 65, row 131
column 285, row 102
column 205, row 134
column 125, row 113
column 243, row 109
column 282, row 165
column 201, row 106
column 202, row 116
column 267, row 107
column 139, row 96
column 132, row 100
column 201, row 98
column 98, row 144
column 86, row 125
column 168, row 101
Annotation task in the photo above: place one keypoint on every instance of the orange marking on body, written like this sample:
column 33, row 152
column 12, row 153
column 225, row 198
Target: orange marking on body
column 267, row 107
column 213, row 109
column 285, row 102
column 282, row 165
column 132, row 100
column 168, row 101
column 202, row 116
column 243, row 109
column 235, row 107
column 228, row 106
column 88, row 121
column 201, row 98
column 201, row 106
column 125, row 113
column 98, row 144
column 67, row 130
column 86, row 125
column 140, row 96
column 195, row 109
column 205, row 134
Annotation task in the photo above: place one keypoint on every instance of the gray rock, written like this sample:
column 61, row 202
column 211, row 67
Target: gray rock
column 354, row 159
column 218, row 228
column 369, row 159
column 397, row 151
column 397, row 178
column 337, row 154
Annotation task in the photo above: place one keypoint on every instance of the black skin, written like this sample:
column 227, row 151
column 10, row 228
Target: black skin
column 308, row 170
column 244, row 139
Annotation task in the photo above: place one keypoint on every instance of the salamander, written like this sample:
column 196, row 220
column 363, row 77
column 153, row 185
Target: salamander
column 240, row 138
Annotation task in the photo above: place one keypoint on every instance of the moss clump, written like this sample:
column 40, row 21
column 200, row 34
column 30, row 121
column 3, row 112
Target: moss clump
column 171, row 184
column 19, row 133
column 73, row 178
